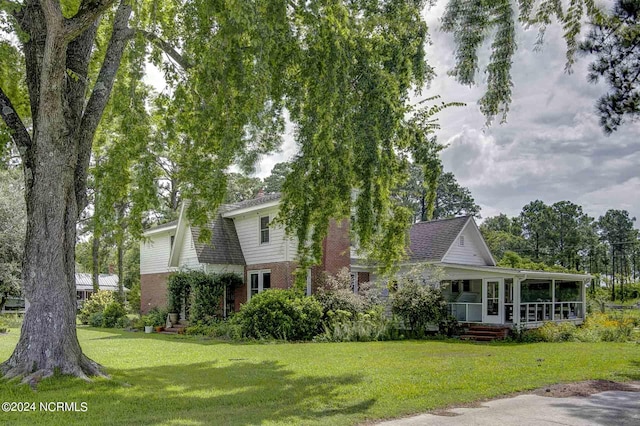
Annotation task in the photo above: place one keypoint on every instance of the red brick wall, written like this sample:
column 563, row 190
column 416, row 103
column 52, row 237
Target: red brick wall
column 153, row 291
column 336, row 247
column 282, row 276
column 240, row 296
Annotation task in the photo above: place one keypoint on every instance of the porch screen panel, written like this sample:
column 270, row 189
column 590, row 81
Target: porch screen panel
column 535, row 291
column 568, row 291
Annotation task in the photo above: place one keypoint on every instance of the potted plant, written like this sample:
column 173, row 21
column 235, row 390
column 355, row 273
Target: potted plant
column 148, row 323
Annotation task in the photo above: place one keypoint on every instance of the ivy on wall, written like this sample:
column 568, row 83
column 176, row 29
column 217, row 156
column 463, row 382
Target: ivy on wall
column 198, row 292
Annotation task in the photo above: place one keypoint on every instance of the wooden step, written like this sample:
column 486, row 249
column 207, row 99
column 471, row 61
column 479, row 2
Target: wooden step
column 478, row 338
column 485, row 333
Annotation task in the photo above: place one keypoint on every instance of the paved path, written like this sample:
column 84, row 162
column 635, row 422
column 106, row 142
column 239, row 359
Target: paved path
column 607, row 408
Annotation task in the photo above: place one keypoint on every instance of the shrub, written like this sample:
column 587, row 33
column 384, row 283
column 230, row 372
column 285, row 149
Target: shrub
column 280, row 314
column 224, row 329
column 419, row 305
column 138, row 323
column 133, row 298
column 364, row 327
column 124, row 322
column 335, row 294
column 613, row 327
column 112, row 313
column 95, row 320
column 97, row 303
column 157, row 317
column 11, row 321
column 555, row 332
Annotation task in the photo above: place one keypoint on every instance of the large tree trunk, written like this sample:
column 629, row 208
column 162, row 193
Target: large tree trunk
column 48, row 339
column 55, row 161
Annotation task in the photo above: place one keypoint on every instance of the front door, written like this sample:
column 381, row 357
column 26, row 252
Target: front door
column 492, row 300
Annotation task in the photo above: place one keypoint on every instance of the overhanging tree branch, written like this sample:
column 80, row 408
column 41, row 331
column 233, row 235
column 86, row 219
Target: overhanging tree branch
column 88, row 12
column 120, row 36
column 167, row 48
column 16, row 127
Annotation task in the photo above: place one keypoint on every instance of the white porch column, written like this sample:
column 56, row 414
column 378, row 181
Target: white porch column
column 553, row 300
column 516, row 301
column 584, row 298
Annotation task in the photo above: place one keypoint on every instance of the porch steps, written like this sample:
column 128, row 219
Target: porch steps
column 485, row 333
column 175, row 329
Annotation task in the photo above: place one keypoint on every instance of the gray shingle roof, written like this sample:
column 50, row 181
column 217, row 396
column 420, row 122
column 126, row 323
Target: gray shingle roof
column 250, row 203
column 429, row 241
column 224, row 248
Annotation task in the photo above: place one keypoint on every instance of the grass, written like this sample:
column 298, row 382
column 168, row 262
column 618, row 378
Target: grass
column 183, row 380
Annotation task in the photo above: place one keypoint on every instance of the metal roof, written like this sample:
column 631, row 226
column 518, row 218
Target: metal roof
column 106, row 282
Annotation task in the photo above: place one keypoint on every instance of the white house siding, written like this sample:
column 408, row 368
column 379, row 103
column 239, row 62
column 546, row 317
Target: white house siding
column 188, row 256
column 248, row 230
column 292, row 250
column 154, row 253
column 470, row 253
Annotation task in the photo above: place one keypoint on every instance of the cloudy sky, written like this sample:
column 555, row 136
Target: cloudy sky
column 551, row 148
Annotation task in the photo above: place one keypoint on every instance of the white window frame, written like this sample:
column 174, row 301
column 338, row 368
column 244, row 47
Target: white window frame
column 261, row 230
column 260, row 273
column 461, row 241
column 354, row 282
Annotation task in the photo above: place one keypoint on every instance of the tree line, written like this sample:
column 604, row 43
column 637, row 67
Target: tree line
column 562, row 235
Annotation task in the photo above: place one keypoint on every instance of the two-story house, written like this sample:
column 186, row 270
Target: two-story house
column 245, row 241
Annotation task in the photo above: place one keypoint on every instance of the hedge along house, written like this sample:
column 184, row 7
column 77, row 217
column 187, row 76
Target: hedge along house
column 480, row 292
column 243, row 241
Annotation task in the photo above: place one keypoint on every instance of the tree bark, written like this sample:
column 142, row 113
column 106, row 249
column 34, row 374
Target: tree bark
column 54, row 164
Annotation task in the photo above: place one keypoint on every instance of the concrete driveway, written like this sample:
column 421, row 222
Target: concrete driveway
column 605, row 408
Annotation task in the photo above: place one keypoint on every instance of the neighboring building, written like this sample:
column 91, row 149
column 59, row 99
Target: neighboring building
column 245, row 242
column 84, row 285
column 84, row 289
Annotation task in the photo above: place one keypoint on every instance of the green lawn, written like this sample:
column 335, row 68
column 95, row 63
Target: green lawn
column 179, row 380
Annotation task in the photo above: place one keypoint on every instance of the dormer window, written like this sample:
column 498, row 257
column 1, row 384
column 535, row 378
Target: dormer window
column 264, row 229
column 461, row 241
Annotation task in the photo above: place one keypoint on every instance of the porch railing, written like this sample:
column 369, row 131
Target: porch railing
column 466, row 312
column 551, row 311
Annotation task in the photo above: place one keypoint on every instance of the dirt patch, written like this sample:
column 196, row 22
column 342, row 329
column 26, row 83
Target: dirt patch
column 565, row 390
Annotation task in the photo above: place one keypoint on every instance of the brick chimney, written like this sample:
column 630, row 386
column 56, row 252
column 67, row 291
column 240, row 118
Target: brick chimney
column 112, row 269
column 260, row 193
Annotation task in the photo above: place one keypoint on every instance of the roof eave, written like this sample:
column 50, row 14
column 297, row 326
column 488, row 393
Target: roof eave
column 240, row 212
